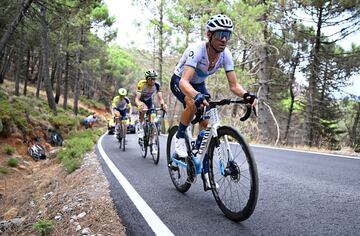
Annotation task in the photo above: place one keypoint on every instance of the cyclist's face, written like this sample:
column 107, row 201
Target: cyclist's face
column 219, row 39
column 151, row 80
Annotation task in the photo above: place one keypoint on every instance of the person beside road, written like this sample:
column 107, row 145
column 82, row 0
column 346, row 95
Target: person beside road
column 89, row 121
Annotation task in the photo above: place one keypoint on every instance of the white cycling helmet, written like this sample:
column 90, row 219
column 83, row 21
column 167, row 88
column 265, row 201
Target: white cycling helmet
column 150, row 74
column 219, row 22
column 122, row 92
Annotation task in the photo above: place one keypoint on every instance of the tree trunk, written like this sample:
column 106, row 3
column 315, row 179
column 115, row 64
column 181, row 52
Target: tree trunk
column 311, row 119
column 292, row 96
column 66, row 80
column 27, row 71
column 354, row 133
column 52, row 76
column 264, row 93
column 45, row 56
column 5, row 64
column 58, row 82
column 78, row 74
column 161, row 49
column 17, row 71
column 4, row 39
column 236, row 106
column 39, row 74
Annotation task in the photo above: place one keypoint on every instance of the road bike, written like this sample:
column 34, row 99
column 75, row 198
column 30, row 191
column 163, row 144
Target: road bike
column 151, row 135
column 223, row 160
column 121, row 130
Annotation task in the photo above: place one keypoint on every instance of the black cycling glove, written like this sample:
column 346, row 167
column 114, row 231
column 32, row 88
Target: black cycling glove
column 249, row 98
column 198, row 99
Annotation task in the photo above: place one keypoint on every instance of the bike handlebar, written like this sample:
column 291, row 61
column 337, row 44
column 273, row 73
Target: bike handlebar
column 214, row 104
column 157, row 109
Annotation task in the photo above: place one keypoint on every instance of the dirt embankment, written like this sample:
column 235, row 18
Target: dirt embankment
column 78, row 203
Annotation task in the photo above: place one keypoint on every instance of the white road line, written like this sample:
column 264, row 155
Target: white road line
column 317, row 153
column 294, row 150
column 149, row 215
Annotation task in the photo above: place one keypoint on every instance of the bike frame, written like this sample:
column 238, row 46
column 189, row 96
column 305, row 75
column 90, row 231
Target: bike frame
column 211, row 132
column 150, row 118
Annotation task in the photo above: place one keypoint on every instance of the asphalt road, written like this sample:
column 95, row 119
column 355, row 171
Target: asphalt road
column 299, row 194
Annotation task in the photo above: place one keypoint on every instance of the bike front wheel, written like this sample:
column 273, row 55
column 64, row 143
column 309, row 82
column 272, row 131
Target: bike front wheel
column 233, row 174
column 155, row 146
column 178, row 173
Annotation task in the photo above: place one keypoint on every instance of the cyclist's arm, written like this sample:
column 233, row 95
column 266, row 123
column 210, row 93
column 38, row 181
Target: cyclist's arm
column 184, row 83
column 235, row 87
column 113, row 105
column 137, row 99
column 130, row 108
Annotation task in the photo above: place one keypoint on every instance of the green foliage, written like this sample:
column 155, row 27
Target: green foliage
column 14, row 111
column 43, row 226
column 4, row 170
column 286, row 102
column 120, row 62
column 331, row 134
column 64, row 121
column 12, row 162
column 77, row 144
column 92, row 103
column 71, row 165
column 8, row 149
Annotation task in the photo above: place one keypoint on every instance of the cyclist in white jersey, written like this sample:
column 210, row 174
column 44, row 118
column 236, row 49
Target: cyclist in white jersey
column 196, row 64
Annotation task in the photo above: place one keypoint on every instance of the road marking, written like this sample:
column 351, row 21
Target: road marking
column 149, row 215
column 294, row 150
column 317, row 153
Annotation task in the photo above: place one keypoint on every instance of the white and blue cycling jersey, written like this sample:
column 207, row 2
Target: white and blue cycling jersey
column 196, row 57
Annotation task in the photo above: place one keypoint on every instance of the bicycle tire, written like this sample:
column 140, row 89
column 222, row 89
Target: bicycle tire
column 144, row 145
column 124, row 141
column 123, row 131
column 236, row 173
column 175, row 171
column 156, row 157
column 118, row 135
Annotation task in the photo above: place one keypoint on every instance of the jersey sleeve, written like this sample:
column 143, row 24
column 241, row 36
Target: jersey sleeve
column 158, row 87
column 193, row 56
column 228, row 61
column 140, row 86
column 114, row 101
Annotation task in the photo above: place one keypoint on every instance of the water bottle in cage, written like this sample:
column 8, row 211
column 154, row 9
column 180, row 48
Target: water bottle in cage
column 199, row 139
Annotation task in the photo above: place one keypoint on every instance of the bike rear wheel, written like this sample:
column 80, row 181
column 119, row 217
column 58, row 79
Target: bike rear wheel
column 118, row 132
column 123, row 139
column 234, row 183
column 178, row 174
column 144, row 144
column 155, row 144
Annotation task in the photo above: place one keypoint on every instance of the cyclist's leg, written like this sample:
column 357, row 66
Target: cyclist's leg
column 117, row 115
column 141, row 120
column 123, row 114
column 187, row 115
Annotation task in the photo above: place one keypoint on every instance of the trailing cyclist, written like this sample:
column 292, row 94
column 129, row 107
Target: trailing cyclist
column 196, row 64
column 144, row 99
column 119, row 108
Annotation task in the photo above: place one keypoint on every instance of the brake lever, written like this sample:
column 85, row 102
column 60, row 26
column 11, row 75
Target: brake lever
column 247, row 114
column 254, row 110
